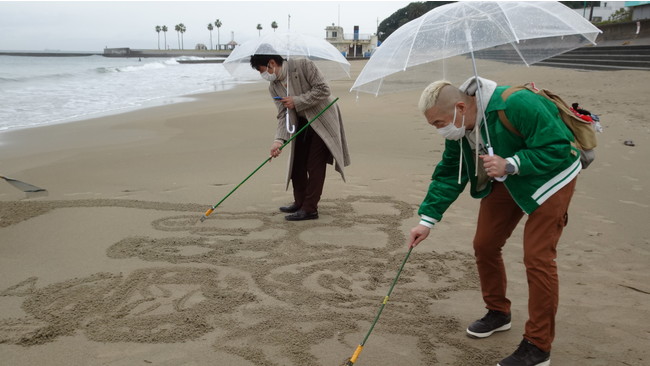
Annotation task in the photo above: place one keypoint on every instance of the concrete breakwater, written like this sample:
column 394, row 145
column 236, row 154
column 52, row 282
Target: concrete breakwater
column 123, row 52
column 129, row 52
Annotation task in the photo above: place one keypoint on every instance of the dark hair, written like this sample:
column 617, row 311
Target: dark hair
column 263, row 60
column 575, row 105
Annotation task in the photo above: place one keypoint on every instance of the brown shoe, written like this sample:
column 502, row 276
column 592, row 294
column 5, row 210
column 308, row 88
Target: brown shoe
column 301, row 215
column 290, row 209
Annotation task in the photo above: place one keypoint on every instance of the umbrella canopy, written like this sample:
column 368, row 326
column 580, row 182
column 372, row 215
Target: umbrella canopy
column 288, row 45
column 524, row 32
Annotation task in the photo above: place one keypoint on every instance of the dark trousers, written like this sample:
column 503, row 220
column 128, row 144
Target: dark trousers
column 498, row 217
column 309, row 166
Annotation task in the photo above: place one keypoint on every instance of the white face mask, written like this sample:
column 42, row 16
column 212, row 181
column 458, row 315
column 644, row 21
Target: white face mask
column 451, row 132
column 268, row 77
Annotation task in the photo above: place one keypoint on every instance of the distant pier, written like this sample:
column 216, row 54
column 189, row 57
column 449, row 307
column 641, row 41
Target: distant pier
column 48, row 54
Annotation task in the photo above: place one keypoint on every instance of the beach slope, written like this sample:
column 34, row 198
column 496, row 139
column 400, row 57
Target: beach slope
column 113, row 267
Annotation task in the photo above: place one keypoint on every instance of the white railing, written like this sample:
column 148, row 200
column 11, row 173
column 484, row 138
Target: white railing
column 362, row 36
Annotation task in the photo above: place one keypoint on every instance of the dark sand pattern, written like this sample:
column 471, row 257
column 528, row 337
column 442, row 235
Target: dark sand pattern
column 149, row 305
column 266, row 290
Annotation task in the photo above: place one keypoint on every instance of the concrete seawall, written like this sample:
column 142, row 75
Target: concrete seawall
column 634, row 33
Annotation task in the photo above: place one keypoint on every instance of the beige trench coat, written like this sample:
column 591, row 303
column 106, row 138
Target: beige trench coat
column 311, row 94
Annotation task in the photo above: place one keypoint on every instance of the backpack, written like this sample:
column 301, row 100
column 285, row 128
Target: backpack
column 583, row 132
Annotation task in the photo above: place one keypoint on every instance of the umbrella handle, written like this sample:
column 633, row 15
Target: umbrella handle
column 498, row 179
column 290, row 128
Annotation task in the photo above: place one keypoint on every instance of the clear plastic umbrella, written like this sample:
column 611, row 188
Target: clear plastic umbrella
column 327, row 58
column 516, row 32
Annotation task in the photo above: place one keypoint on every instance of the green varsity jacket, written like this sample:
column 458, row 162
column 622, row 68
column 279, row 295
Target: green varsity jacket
column 545, row 158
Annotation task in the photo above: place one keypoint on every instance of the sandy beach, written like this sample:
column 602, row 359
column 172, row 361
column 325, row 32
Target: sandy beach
column 113, row 267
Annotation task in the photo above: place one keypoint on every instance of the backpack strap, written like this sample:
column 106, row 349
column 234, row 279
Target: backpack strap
column 502, row 113
column 506, row 123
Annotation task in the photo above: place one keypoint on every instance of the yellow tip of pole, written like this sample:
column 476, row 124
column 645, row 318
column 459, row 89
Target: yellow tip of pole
column 355, row 355
column 207, row 213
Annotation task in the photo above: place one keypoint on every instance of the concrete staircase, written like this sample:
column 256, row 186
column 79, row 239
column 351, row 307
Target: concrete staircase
column 603, row 58
column 586, row 58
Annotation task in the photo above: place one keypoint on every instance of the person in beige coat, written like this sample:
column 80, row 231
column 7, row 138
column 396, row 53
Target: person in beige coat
column 322, row 143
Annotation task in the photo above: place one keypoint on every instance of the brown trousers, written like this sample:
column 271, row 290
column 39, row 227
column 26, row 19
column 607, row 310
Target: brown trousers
column 498, row 217
column 309, row 166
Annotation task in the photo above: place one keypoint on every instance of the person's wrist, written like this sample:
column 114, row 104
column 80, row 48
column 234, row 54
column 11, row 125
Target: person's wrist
column 427, row 221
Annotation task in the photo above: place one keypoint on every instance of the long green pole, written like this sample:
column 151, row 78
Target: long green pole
column 209, row 211
column 357, row 351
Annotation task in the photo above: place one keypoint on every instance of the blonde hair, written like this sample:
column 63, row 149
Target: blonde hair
column 430, row 95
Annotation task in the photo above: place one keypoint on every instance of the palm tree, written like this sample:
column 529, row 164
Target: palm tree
column 218, row 24
column 210, row 28
column 164, row 29
column 183, row 29
column 259, row 29
column 177, row 28
column 274, row 25
column 158, row 29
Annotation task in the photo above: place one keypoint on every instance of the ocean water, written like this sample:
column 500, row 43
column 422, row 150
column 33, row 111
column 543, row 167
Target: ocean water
column 36, row 91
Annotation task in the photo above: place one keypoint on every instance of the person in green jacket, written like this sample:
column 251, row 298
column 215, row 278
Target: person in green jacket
column 533, row 175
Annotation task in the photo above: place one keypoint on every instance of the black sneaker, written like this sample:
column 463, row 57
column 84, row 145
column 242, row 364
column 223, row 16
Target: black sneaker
column 493, row 321
column 527, row 355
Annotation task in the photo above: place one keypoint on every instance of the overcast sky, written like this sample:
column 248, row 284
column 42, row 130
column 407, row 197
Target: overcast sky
column 93, row 25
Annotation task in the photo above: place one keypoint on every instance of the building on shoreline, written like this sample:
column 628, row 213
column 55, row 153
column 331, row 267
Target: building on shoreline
column 355, row 45
column 602, row 11
column 640, row 9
